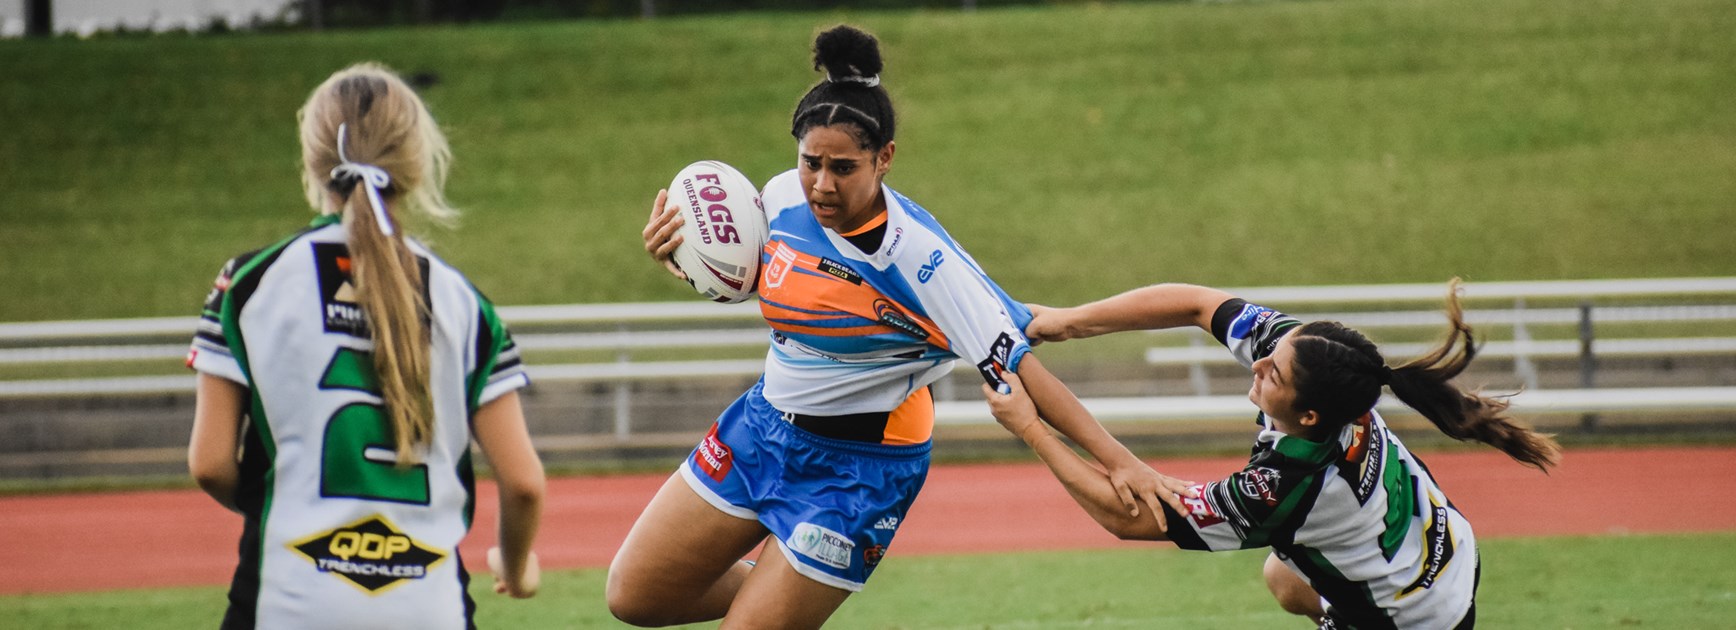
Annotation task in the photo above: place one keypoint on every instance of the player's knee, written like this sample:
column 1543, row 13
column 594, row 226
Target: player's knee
column 630, row 606
column 637, row 613
column 1294, row 595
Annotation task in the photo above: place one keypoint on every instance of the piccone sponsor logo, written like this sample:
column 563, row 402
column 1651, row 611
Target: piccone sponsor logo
column 371, row 554
column 829, row 547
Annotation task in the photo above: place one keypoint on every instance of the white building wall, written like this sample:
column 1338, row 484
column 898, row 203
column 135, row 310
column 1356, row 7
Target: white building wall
column 85, row 17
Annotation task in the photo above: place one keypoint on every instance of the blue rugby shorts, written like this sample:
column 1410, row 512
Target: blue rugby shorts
column 833, row 505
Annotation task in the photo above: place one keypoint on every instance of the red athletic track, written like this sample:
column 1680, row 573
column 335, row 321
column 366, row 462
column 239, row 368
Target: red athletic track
column 88, row 542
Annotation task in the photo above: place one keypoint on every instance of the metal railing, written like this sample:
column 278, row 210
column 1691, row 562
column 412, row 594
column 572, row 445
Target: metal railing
column 630, row 328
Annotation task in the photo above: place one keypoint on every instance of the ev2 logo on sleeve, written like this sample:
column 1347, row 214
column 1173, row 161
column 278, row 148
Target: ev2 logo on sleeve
column 927, row 271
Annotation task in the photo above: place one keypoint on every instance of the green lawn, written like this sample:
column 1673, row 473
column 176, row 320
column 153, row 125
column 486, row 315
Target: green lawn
column 1652, row 581
column 1075, row 150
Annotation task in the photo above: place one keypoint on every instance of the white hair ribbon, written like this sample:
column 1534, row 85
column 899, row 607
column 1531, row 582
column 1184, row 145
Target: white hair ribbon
column 868, row 81
column 375, row 177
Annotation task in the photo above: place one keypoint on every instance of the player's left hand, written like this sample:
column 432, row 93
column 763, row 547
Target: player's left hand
column 522, row 586
column 1013, row 409
column 1048, row 324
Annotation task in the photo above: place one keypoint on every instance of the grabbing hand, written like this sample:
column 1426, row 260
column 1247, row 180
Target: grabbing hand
column 1014, row 409
column 522, row 586
column 1049, row 324
column 1137, row 483
column 662, row 234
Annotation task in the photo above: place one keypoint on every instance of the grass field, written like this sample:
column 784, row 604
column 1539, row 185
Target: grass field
column 1653, row 581
column 1249, row 143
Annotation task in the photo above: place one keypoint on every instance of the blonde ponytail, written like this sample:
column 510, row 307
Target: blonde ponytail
column 365, row 119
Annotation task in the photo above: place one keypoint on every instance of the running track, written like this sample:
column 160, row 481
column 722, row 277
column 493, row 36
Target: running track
column 89, row 542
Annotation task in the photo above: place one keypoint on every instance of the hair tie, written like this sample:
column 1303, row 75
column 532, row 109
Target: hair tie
column 1385, row 375
column 872, row 81
column 375, row 177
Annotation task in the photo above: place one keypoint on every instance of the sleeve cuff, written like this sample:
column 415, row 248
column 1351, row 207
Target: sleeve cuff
column 215, row 363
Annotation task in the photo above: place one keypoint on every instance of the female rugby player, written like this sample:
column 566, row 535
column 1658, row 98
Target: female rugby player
column 343, row 372
column 1361, row 535
column 869, row 301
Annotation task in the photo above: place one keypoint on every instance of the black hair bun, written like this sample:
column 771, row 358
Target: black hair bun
column 846, row 51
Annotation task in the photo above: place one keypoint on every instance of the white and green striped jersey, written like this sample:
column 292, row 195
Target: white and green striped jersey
column 337, row 536
column 1359, row 517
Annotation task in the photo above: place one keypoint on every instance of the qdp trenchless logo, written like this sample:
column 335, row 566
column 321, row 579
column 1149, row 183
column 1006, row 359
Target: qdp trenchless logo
column 371, row 554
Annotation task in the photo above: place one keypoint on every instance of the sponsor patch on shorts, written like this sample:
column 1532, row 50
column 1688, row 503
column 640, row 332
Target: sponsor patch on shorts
column 829, row 547
column 872, row 555
column 713, row 456
column 370, row 554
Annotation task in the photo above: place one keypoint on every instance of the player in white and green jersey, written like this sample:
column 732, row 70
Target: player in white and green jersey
column 344, row 372
column 1361, row 535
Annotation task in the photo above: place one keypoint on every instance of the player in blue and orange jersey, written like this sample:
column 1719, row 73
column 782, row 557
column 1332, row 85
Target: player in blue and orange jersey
column 869, row 301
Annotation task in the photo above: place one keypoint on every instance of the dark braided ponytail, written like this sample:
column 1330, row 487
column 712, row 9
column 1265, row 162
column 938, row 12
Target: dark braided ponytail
column 1339, row 373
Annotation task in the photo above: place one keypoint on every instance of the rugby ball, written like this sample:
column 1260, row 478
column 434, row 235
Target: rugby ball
column 723, row 230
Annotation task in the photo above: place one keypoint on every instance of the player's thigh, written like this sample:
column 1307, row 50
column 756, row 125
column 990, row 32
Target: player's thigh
column 776, row 596
column 679, row 546
column 1293, row 593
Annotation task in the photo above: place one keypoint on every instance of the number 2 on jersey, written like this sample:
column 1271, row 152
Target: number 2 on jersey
column 357, row 455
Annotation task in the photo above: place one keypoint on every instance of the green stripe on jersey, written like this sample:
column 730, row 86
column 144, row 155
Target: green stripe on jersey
column 1261, row 536
column 485, row 362
column 230, row 318
column 1401, row 501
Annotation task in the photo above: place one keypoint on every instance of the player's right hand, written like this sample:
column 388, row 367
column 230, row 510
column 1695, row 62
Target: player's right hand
column 661, row 233
column 1049, row 324
column 1139, row 483
column 522, row 586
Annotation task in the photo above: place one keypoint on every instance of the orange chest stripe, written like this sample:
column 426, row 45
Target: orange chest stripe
column 785, row 282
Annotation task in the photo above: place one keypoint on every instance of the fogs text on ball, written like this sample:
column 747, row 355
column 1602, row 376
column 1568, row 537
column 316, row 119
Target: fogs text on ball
column 723, row 233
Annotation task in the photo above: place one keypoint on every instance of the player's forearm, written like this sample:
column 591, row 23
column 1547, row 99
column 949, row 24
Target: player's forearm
column 520, row 517
column 1061, row 409
column 221, row 488
column 501, row 432
column 1148, row 308
column 1089, row 487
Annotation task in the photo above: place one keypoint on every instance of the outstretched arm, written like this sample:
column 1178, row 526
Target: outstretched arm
column 1091, row 488
column 501, row 432
column 1129, row 477
column 1154, row 307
